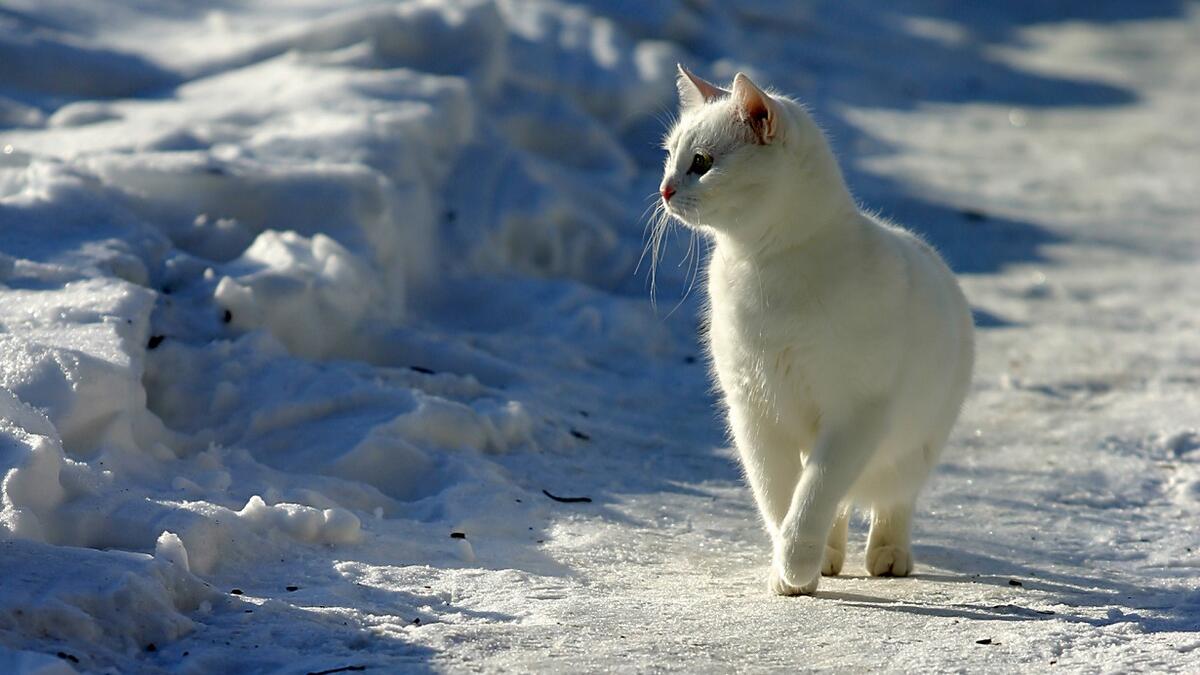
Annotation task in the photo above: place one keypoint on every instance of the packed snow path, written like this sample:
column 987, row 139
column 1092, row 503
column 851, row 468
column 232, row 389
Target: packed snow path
column 303, row 308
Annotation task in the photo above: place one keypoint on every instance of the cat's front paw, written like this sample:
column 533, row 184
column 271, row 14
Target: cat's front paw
column 799, row 564
column 778, row 586
column 889, row 561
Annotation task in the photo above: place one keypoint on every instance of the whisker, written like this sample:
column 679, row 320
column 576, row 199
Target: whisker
column 687, row 255
column 653, row 206
column 656, row 227
column 661, row 225
column 693, row 270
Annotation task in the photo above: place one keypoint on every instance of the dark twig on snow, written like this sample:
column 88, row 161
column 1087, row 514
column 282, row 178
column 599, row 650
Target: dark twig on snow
column 569, row 500
column 343, row 669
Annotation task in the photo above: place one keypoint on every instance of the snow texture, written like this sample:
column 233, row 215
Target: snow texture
column 308, row 308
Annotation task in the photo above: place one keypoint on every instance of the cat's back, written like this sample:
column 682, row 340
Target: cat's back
column 935, row 293
column 848, row 314
column 934, row 329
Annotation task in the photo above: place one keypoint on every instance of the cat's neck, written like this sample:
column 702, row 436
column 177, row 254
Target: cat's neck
column 811, row 203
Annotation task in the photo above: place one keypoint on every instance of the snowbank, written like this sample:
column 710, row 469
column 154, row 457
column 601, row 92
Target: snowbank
column 219, row 265
column 102, row 603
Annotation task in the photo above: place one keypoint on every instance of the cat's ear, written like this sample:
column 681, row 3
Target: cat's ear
column 756, row 109
column 695, row 91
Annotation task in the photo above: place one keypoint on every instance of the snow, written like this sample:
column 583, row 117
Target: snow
column 291, row 292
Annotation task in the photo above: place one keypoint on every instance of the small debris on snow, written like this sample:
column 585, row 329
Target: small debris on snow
column 1183, row 442
column 458, row 535
column 343, row 669
column 568, row 500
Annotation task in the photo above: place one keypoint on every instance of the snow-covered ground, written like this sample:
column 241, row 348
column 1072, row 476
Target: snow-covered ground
column 292, row 292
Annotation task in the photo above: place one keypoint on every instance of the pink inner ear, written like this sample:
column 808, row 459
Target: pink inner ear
column 695, row 90
column 755, row 108
column 708, row 89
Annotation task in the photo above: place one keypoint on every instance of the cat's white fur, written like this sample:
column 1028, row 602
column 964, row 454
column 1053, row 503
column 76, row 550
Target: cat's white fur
column 843, row 344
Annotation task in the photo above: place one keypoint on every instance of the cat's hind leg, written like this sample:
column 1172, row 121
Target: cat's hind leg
column 889, row 552
column 835, row 544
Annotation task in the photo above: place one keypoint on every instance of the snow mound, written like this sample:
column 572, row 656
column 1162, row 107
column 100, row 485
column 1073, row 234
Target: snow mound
column 169, row 548
column 112, row 600
column 312, row 294
column 76, row 354
column 30, row 488
column 333, row 526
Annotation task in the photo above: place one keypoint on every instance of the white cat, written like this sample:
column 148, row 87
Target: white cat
column 843, row 344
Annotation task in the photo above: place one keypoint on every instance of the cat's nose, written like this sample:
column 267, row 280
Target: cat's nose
column 667, row 191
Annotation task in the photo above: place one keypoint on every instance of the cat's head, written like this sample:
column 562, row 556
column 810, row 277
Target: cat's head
column 727, row 150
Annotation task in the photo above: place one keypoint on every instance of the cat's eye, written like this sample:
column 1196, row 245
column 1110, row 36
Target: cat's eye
column 701, row 163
